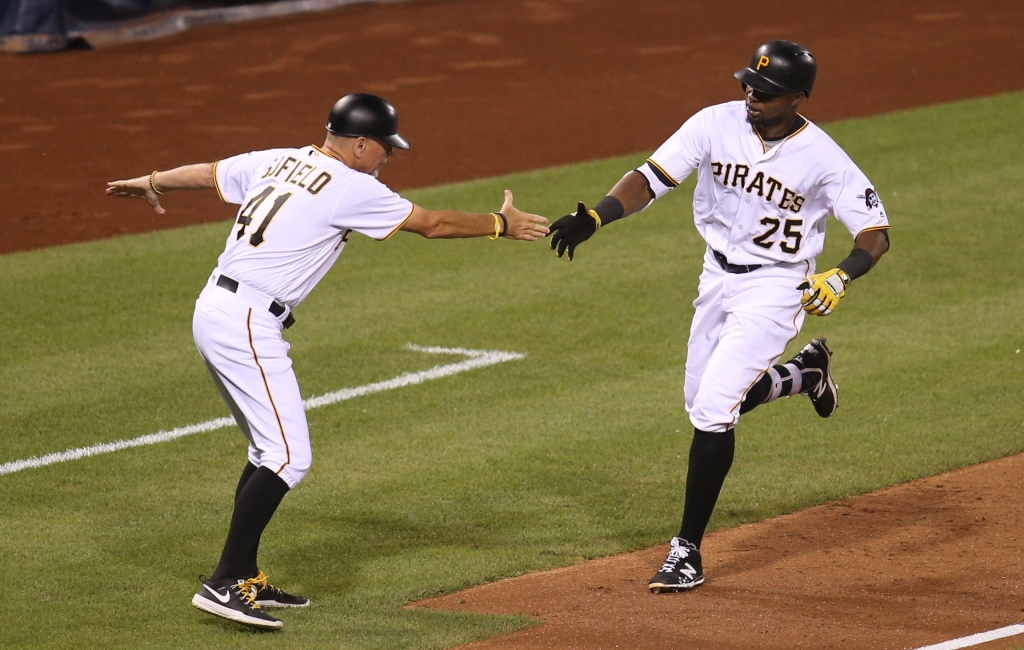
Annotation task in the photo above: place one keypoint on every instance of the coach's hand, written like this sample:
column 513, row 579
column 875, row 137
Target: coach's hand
column 822, row 291
column 573, row 229
column 137, row 188
column 522, row 225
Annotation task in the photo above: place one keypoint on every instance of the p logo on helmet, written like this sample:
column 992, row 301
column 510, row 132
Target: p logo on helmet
column 779, row 67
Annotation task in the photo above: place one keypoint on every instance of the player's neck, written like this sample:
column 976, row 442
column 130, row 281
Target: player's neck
column 782, row 129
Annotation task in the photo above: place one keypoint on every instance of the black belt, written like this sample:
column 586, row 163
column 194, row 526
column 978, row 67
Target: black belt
column 276, row 308
column 733, row 268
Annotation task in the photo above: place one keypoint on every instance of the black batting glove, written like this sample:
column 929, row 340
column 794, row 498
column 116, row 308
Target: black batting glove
column 573, row 229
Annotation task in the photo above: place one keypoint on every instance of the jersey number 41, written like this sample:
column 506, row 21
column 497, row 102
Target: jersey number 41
column 245, row 215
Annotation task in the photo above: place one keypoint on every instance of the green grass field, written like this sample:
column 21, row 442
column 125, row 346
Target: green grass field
column 576, row 451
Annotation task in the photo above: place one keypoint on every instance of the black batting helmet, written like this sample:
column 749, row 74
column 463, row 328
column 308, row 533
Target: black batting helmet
column 780, row 67
column 368, row 116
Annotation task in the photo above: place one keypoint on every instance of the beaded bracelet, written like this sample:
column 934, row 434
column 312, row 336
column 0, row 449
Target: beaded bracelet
column 152, row 182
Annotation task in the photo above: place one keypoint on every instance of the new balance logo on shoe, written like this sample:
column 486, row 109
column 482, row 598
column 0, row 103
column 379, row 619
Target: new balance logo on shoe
column 682, row 569
column 688, row 571
column 824, row 393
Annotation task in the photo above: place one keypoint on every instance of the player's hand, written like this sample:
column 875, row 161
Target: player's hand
column 136, row 188
column 572, row 230
column 822, row 291
column 522, row 225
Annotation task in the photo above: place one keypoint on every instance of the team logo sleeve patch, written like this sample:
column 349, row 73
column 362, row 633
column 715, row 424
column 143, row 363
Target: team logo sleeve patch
column 870, row 197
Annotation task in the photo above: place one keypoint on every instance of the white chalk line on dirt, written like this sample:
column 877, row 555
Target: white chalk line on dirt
column 474, row 359
column 977, row 639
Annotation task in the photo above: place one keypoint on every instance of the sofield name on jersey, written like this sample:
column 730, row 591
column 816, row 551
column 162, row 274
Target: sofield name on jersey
column 298, row 173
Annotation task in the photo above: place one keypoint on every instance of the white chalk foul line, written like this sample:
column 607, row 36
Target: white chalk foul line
column 474, row 359
column 977, row 639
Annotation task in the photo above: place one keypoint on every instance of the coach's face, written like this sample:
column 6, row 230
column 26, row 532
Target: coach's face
column 370, row 155
column 380, row 152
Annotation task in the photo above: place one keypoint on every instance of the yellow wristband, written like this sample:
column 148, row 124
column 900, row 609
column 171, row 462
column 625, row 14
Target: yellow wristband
column 497, row 227
column 597, row 218
column 152, row 182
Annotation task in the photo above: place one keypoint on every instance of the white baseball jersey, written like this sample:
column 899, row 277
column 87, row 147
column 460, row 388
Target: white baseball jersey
column 758, row 204
column 763, row 206
column 298, row 208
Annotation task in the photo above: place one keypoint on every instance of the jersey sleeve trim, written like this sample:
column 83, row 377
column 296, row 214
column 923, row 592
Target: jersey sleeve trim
column 399, row 226
column 216, row 185
column 860, row 232
column 662, row 175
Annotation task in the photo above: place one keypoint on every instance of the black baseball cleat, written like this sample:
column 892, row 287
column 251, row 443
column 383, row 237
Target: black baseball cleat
column 234, row 601
column 682, row 569
column 267, row 595
column 824, row 393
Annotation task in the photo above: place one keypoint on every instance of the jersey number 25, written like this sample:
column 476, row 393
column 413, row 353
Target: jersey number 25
column 790, row 244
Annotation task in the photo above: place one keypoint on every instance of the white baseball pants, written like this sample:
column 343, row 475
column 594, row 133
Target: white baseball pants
column 241, row 343
column 741, row 326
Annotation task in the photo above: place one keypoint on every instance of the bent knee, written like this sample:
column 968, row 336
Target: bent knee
column 293, row 471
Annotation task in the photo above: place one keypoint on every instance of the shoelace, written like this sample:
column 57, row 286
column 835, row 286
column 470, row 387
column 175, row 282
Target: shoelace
column 248, row 589
column 676, row 553
column 262, row 585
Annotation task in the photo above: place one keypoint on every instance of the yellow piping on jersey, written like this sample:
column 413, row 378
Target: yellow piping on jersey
column 791, row 135
column 662, row 170
column 796, row 333
column 280, row 425
column 399, row 226
column 326, row 153
column 798, row 131
column 870, row 229
column 216, row 185
column 764, row 147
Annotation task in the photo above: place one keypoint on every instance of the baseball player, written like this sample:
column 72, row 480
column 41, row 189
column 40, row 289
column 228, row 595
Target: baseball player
column 298, row 209
column 767, row 178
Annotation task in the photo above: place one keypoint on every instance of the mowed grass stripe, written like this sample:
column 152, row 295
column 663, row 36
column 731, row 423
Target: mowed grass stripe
column 477, row 359
column 576, row 451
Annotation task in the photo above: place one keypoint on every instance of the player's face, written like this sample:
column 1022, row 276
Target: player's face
column 764, row 110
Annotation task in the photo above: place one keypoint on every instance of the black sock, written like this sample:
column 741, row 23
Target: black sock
column 757, row 394
column 246, row 475
column 710, row 459
column 254, row 507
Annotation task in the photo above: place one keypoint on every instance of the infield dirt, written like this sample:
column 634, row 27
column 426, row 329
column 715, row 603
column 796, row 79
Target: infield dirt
column 486, row 88
column 483, row 88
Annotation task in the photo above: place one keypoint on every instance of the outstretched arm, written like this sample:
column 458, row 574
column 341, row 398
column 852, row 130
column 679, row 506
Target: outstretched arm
column 629, row 196
column 510, row 222
column 189, row 177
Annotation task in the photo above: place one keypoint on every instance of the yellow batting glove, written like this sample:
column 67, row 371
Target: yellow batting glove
column 822, row 291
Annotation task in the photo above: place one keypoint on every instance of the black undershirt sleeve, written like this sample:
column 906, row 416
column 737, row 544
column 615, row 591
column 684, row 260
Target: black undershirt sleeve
column 857, row 263
column 611, row 209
